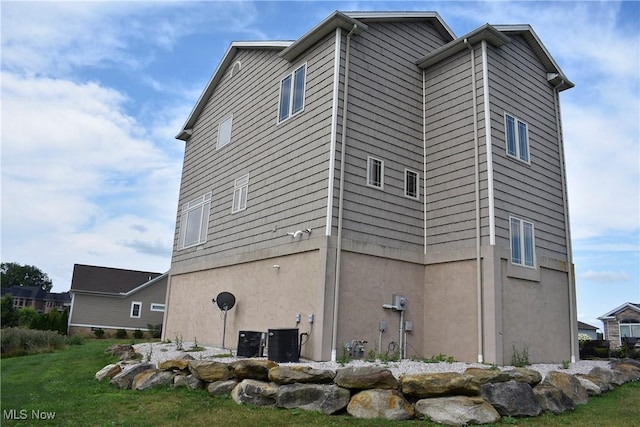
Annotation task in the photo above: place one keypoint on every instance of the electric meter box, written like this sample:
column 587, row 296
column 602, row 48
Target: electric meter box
column 399, row 302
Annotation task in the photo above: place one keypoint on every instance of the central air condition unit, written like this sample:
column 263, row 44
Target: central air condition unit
column 283, row 345
column 250, row 344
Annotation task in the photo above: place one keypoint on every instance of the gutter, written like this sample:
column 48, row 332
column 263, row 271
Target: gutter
column 343, row 155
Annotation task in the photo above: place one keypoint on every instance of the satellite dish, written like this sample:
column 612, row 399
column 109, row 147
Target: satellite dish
column 225, row 300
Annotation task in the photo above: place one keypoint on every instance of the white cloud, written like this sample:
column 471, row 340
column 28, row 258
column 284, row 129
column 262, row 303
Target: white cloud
column 606, row 276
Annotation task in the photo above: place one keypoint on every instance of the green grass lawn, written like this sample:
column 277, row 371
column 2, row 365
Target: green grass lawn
column 63, row 384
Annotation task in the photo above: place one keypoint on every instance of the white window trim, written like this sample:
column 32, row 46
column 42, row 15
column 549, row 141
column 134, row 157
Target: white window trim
column 203, row 202
column 518, row 155
column 239, row 185
column 133, row 304
column 417, row 196
column 227, row 140
column 522, row 243
column 157, row 307
column 290, row 112
column 369, row 184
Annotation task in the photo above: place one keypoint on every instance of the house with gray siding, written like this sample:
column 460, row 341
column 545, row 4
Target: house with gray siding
column 622, row 323
column 112, row 298
column 380, row 179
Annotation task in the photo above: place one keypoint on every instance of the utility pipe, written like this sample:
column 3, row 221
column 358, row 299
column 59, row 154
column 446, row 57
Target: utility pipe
column 489, row 148
column 476, row 163
column 424, row 155
column 343, row 155
column 565, row 199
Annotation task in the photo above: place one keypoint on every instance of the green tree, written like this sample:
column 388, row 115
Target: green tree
column 26, row 316
column 9, row 312
column 14, row 274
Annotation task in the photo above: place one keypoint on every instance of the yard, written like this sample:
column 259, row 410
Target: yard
column 60, row 389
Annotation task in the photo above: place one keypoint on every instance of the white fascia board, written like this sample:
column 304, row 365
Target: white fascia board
column 373, row 16
column 610, row 315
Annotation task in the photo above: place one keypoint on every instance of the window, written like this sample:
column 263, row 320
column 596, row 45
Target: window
column 517, row 136
column 157, row 307
column 240, row 191
column 522, row 242
column 411, row 186
column 194, row 222
column 375, row 172
column 292, row 93
column 224, row 132
column 136, row 308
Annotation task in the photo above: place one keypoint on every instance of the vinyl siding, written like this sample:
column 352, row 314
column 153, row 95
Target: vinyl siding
column 518, row 86
column 385, row 121
column 287, row 162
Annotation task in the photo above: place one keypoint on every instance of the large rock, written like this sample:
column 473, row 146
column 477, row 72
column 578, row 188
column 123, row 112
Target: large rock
column 525, row 375
column 125, row 378
column 152, row 378
column 255, row 392
column 569, row 385
column 108, row 371
column 552, row 399
column 629, row 371
column 380, row 403
column 188, row 381
column 257, row 369
column 300, row 374
column 513, row 398
column 592, row 388
column 602, row 377
column 179, row 364
column 457, row 410
column 366, row 377
column 485, row 376
column 210, row 371
column 326, row 398
column 440, row 384
column 222, row 388
column 123, row 351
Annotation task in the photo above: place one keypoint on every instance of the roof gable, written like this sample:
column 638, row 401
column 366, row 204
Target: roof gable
column 108, row 280
column 633, row 306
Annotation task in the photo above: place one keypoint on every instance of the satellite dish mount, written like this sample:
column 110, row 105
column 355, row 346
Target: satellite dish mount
column 225, row 302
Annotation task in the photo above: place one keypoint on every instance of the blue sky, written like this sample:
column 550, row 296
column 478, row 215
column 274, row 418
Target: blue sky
column 93, row 94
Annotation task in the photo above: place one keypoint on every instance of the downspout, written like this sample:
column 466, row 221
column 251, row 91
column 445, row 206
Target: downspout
column 565, row 199
column 334, row 126
column 424, row 154
column 487, row 126
column 476, row 164
column 343, row 155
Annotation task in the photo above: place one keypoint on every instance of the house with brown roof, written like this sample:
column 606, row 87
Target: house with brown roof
column 112, row 298
column 381, row 180
column 620, row 323
column 38, row 299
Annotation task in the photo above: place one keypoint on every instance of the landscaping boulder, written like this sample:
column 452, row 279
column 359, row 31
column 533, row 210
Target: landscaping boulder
column 221, row 388
column 457, row 410
column 152, row 378
column 485, row 376
column 602, row 377
column 108, row 371
column 592, row 388
column 629, row 371
column 210, row 371
column 552, row 399
column 125, row 378
column 188, row 381
column 300, row 374
column 255, row 392
column 513, row 398
column 569, row 385
column 525, row 375
column 257, row 369
column 326, row 398
column 179, row 364
column 365, row 377
column 380, row 403
column 123, row 351
column 440, row 384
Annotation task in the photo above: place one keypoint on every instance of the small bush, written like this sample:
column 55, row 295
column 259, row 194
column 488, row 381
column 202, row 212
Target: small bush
column 121, row 334
column 99, row 333
column 75, row 340
column 20, row 342
column 137, row 334
column 155, row 330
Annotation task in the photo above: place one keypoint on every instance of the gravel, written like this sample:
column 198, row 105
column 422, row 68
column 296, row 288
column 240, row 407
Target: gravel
column 158, row 352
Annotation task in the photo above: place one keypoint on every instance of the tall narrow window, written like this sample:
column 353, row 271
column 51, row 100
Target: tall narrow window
column 224, row 132
column 136, row 308
column 517, row 138
column 375, row 172
column 522, row 242
column 194, row 222
column 240, row 192
column 411, row 184
column 292, row 89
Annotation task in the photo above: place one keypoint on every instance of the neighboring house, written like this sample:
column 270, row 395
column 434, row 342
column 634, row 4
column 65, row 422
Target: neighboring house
column 380, row 154
column 112, row 298
column 585, row 328
column 37, row 298
column 623, row 321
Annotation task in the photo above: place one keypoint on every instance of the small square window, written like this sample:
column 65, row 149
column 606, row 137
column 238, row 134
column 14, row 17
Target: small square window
column 522, row 242
column 517, row 138
column 375, row 172
column 240, row 193
column 136, row 308
column 411, row 186
column 224, row 132
column 292, row 88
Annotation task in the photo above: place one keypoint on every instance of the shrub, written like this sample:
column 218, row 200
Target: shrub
column 99, row 333
column 75, row 340
column 121, row 334
column 137, row 334
column 19, row 342
column 155, row 330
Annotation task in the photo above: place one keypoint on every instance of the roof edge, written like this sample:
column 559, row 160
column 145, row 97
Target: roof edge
column 381, row 16
column 617, row 309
